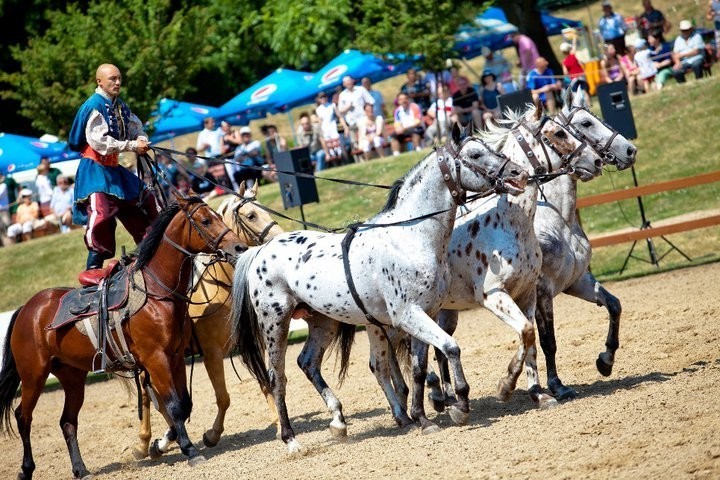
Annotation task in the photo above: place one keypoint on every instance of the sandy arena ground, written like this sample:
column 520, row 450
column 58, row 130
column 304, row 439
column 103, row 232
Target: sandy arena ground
column 657, row 416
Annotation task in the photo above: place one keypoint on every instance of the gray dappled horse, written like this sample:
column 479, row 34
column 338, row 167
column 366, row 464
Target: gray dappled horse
column 396, row 274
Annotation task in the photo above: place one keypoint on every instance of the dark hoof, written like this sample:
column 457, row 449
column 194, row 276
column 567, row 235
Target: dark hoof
column 565, row 393
column 438, row 403
column 403, row 421
column 604, row 368
column 208, row 442
column 458, row 416
column 154, row 450
column 196, row 460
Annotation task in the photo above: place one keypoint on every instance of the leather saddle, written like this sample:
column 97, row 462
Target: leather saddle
column 86, row 301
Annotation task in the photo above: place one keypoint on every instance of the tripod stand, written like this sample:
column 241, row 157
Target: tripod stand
column 654, row 259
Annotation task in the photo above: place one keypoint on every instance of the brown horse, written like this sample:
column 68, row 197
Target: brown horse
column 157, row 335
column 209, row 309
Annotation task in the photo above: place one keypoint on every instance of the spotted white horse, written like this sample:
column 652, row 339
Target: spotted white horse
column 504, row 226
column 394, row 272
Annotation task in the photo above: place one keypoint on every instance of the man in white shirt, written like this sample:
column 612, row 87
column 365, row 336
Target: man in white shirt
column 61, row 204
column 441, row 112
column 688, row 52
column 210, row 138
column 351, row 105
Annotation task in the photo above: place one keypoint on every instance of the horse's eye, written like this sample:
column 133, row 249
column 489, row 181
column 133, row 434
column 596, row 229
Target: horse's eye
column 561, row 134
column 205, row 222
column 586, row 124
column 476, row 155
column 251, row 216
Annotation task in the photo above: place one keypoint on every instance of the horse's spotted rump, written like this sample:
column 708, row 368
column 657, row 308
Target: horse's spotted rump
column 474, row 228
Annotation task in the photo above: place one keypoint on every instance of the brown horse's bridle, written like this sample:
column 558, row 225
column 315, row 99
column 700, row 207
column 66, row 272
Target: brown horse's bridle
column 544, row 141
column 456, row 191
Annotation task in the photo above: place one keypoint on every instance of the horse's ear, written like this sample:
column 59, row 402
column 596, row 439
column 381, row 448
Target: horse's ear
column 223, row 207
column 568, row 100
column 241, row 189
column 457, row 133
column 181, row 199
column 538, row 109
column 254, row 189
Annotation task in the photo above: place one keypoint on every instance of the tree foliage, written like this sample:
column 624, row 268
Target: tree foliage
column 155, row 47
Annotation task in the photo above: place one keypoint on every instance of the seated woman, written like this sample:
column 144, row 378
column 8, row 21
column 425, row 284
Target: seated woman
column 370, row 132
column 490, row 90
column 27, row 217
column 630, row 69
column 610, row 66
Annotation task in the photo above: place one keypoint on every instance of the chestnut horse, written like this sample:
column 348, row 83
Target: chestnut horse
column 209, row 309
column 156, row 335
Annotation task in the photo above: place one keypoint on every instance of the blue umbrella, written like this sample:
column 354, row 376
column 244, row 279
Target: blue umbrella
column 19, row 153
column 260, row 98
column 174, row 117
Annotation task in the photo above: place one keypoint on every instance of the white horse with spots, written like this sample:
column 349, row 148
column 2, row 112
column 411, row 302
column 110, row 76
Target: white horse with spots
column 566, row 249
column 494, row 258
column 394, row 272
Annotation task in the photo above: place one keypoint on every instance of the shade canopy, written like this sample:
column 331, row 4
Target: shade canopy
column 19, row 153
column 174, row 117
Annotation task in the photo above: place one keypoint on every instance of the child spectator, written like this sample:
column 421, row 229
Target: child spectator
column 610, row 66
column 490, row 90
column 645, row 65
column 661, row 55
column 573, row 68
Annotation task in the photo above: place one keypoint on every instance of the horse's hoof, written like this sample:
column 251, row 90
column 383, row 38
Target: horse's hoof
column 603, row 367
column 294, row 447
column 208, row 441
column 547, row 402
column 138, row 453
column 89, row 476
column 338, row 431
column 403, row 421
column 564, row 393
column 429, row 429
column 196, row 460
column 154, row 451
column 458, row 416
column 438, row 404
column 504, row 392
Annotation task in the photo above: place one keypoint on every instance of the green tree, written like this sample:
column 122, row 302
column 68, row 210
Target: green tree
column 155, row 47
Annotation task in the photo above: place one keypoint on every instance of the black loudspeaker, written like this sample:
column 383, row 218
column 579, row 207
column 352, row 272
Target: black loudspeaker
column 296, row 191
column 516, row 101
column 615, row 107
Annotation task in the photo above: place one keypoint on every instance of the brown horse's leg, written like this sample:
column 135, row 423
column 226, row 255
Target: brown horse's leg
column 145, row 432
column 73, row 383
column 213, row 359
column 31, row 390
column 167, row 373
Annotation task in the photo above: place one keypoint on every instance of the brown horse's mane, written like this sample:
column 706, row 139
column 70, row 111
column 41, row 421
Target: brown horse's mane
column 149, row 245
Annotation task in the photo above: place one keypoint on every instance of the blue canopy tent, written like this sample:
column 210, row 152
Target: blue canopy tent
column 174, row 117
column 19, row 153
column 492, row 30
column 350, row 62
column 262, row 97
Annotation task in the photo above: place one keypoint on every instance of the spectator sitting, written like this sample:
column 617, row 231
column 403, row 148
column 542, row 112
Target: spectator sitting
column 573, row 68
column 630, row 69
column 210, row 139
column 351, row 105
column 652, row 21
column 500, row 67
column 688, row 52
column 610, row 65
column 454, row 76
column 527, row 55
column 52, row 172
column 408, row 123
column 442, row 114
column 713, row 15
column 490, row 90
column 466, row 104
column 230, row 138
column 4, row 210
column 61, row 205
column 329, row 119
column 379, row 105
column 371, row 128
column 308, row 135
column 27, row 217
column 417, row 89
column 612, row 28
column 248, row 159
column 661, row 55
column 542, row 83
column 44, row 187
column 273, row 143
column 645, row 65
column 202, row 182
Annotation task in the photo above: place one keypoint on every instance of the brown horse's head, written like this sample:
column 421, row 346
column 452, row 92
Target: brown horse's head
column 247, row 217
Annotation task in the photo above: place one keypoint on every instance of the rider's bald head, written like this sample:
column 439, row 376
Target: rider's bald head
column 108, row 78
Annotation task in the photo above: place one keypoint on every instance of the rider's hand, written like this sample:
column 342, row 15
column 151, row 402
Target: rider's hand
column 142, row 146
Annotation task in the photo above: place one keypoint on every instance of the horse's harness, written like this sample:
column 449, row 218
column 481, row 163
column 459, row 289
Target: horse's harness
column 537, row 134
column 257, row 238
column 449, row 152
column 601, row 149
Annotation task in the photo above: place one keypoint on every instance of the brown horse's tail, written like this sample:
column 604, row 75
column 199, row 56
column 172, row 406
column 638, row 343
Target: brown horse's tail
column 249, row 335
column 9, row 380
column 343, row 341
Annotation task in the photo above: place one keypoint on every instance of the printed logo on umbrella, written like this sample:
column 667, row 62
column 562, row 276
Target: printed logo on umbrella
column 333, row 74
column 200, row 110
column 262, row 93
